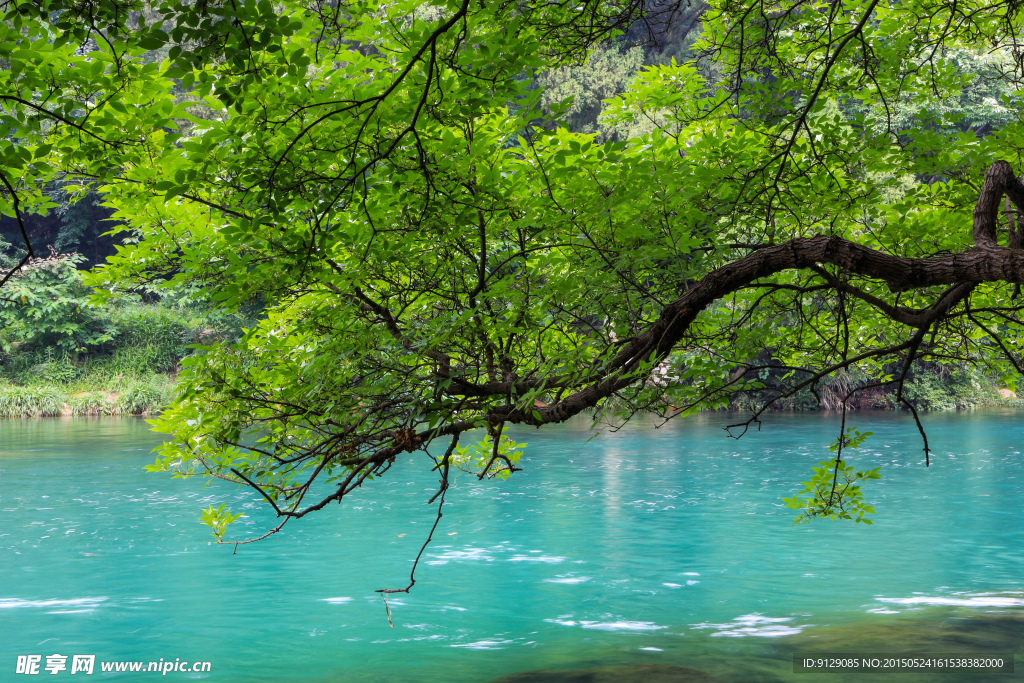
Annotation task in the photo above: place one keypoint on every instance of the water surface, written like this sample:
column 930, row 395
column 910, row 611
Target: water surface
column 642, row 546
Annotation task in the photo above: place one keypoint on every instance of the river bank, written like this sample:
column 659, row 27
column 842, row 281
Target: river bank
column 110, row 386
column 64, row 350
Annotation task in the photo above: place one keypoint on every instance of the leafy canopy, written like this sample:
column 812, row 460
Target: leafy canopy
column 437, row 256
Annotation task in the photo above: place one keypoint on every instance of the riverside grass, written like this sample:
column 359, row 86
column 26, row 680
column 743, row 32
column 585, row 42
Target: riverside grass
column 128, row 396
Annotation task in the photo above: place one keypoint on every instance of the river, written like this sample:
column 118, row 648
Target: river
column 644, row 547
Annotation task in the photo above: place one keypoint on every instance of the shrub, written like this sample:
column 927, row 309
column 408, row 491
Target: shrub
column 18, row 401
column 951, row 387
column 90, row 403
column 65, row 351
column 150, row 338
column 46, row 305
column 139, row 398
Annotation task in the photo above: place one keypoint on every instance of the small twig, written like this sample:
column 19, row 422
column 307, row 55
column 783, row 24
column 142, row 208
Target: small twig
column 16, row 205
column 258, row 538
column 387, row 608
column 259, row 489
column 839, row 454
column 14, row 270
column 445, row 463
column 412, row 572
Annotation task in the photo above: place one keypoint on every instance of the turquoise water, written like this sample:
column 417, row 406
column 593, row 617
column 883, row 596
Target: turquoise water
column 666, row 546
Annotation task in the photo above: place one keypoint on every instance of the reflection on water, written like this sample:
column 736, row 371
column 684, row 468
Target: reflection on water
column 664, row 554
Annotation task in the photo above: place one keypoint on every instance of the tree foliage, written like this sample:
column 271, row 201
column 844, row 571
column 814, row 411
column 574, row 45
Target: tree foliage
column 47, row 305
column 802, row 199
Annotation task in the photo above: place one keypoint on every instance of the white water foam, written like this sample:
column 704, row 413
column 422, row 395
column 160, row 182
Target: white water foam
column 977, row 600
column 460, row 555
column 607, row 625
column 484, row 645
column 621, row 625
column 550, row 559
column 568, row 579
column 80, row 604
column 755, row 625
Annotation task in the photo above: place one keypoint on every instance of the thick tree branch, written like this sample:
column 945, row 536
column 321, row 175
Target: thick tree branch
column 999, row 180
column 988, row 264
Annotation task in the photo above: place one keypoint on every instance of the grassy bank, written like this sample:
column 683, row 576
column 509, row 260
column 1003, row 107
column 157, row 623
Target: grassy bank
column 125, row 396
column 132, row 372
column 62, row 355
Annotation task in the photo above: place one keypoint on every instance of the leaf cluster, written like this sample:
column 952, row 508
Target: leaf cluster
column 835, row 490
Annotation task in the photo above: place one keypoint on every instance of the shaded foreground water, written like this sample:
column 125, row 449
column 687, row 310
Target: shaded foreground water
column 663, row 554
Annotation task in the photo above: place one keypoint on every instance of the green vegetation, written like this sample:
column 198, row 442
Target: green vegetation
column 806, row 199
column 835, row 486
column 61, row 355
column 930, row 386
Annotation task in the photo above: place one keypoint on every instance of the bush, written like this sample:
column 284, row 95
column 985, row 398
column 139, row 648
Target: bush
column 46, row 305
column 951, row 387
column 92, row 403
column 66, row 352
column 151, row 338
column 18, row 401
column 139, row 398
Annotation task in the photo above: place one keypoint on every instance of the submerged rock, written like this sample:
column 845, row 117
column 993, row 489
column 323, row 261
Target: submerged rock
column 639, row 673
column 943, row 631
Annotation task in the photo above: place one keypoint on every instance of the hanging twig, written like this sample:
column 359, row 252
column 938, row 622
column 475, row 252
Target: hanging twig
column 444, row 488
